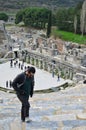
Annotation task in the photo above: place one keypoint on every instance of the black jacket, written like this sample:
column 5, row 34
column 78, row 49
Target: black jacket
column 18, row 83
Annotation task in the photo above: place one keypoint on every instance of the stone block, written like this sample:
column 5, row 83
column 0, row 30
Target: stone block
column 81, row 116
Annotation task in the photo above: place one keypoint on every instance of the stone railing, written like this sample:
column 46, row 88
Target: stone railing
column 49, row 63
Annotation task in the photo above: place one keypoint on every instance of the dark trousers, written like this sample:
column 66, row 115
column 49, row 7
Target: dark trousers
column 25, row 106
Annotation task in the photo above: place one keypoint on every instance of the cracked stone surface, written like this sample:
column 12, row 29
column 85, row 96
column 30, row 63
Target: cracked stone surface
column 63, row 110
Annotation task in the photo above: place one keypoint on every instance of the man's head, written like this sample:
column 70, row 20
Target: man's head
column 30, row 71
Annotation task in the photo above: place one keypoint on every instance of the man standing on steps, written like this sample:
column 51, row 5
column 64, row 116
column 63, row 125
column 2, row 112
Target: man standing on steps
column 23, row 84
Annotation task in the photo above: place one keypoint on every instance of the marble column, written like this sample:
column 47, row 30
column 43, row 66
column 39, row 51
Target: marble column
column 44, row 65
column 49, row 68
column 40, row 64
column 28, row 59
column 35, row 61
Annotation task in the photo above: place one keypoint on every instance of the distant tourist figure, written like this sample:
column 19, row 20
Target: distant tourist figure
column 58, row 77
column 14, row 64
column 53, row 74
column 7, row 84
column 76, row 53
column 25, row 68
column 19, row 65
column 84, row 81
column 11, row 63
column 5, row 46
column 10, row 83
column 65, row 58
column 23, row 84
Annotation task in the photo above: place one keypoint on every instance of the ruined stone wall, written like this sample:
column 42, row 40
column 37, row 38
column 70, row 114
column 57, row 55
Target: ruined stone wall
column 2, row 37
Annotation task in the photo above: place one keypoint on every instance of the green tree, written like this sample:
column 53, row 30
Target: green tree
column 3, row 16
column 54, row 19
column 33, row 16
column 65, row 19
column 49, row 24
column 37, row 17
column 77, row 12
column 19, row 16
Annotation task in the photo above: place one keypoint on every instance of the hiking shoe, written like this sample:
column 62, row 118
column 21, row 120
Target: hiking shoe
column 22, row 120
column 27, row 119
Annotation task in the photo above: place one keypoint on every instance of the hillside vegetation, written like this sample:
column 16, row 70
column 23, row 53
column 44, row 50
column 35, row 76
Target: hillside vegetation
column 69, row 36
column 52, row 4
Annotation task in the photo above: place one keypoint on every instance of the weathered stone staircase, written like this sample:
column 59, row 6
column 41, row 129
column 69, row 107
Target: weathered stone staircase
column 63, row 110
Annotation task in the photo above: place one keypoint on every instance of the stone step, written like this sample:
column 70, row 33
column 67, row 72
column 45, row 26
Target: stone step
column 81, row 116
column 50, row 125
column 63, row 110
column 61, row 117
column 80, row 128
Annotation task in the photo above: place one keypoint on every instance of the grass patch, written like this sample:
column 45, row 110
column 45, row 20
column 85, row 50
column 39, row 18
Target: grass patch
column 69, row 36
